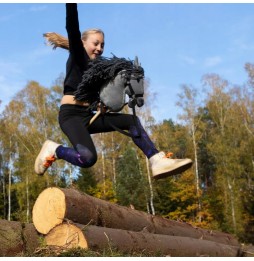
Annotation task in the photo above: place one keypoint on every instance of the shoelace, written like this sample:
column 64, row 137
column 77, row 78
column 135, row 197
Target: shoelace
column 49, row 161
column 168, row 155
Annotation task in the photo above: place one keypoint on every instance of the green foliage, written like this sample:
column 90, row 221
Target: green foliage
column 130, row 186
column 162, row 189
column 217, row 132
column 105, row 191
column 86, row 181
column 171, row 137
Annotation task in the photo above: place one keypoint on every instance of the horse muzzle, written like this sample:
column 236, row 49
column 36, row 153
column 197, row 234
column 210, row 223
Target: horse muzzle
column 139, row 101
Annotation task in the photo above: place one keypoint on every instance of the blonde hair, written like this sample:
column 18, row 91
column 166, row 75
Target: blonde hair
column 57, row 40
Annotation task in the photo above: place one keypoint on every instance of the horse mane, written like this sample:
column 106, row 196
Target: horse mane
column 102, row 70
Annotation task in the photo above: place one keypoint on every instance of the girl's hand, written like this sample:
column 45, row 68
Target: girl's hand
column 102, row 108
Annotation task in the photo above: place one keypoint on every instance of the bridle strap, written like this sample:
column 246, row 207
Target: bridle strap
column 125, row 132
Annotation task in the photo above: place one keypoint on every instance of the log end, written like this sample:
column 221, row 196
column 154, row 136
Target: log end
column 66, row 236
column 11, row 243
column 49, row 210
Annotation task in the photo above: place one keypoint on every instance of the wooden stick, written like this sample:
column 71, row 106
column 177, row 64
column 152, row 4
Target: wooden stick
column 96, row 115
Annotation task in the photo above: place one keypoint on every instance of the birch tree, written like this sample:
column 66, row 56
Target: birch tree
column 224, row 145
column 190, row 106
column 30, row 118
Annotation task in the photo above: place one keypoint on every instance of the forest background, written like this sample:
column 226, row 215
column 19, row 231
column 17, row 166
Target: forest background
column 215, row 129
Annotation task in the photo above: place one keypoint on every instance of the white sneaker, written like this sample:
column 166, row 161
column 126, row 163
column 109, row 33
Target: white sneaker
column 162, row 166
column 46, row 157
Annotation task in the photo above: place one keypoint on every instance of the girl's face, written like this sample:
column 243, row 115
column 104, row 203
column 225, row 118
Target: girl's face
column 94, row 45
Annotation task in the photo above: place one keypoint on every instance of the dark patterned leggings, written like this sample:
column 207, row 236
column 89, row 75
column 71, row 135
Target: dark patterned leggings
column 74, row 119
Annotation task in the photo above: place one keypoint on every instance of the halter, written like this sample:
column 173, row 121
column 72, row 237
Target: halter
column 134, row 98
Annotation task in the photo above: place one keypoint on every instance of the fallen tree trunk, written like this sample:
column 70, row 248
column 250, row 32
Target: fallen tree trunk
column 68, row 235
column 10, row 238
column 54, row 205
column 16, row 238
column 31, row 238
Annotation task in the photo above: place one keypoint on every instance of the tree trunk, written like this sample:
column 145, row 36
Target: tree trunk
column 31, row 238
column 54, row 205
column 14, row 239
column 4, row 194
column 9, row 185
column 68, row 235
column 196, row 170
column 10, row 238
column 151, row 205
column 113, row 158
column 27, row 200
column 232, row 201
column 103, row 163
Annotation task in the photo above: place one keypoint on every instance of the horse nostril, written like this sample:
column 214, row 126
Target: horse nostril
column 132, row 103
column 140, row 102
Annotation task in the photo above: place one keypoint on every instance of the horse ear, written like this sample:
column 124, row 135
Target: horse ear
column 136, row 63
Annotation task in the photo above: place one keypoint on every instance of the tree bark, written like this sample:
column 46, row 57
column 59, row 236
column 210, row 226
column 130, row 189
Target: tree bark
column 68, row 235
column 10, row 178
column 16, row 238
column 54, row 205
column 31, row 238
column 151, row 205
column 11, row 242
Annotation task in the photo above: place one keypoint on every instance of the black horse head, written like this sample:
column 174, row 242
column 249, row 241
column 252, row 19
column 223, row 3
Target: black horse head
column 113, row 78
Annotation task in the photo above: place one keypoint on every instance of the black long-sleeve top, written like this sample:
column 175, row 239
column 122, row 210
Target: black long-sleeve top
column 78, row 59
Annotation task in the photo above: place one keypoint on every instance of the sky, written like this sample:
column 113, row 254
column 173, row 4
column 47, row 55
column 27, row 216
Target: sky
column 176, row 43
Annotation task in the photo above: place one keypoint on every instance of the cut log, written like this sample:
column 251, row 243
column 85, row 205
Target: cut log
column 11, row 242
column 17, row 238
column 68, row 235
column 55, row 205
column 31, row 238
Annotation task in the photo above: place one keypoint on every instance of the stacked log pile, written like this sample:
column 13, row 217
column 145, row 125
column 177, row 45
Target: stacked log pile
column 70, row 218
column 17, row 238
column 67, row 218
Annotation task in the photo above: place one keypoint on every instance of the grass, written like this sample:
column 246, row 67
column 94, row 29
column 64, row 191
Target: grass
column 80, row 252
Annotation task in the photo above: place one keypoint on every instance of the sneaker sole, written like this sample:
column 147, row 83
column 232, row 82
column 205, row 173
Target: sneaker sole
column 183, row 166
column 37, row 161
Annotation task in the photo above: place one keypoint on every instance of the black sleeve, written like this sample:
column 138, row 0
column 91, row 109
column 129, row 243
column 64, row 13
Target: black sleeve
column 74, row 36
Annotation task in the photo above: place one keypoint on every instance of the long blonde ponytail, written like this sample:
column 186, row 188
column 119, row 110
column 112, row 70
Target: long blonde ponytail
column 56, row 40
